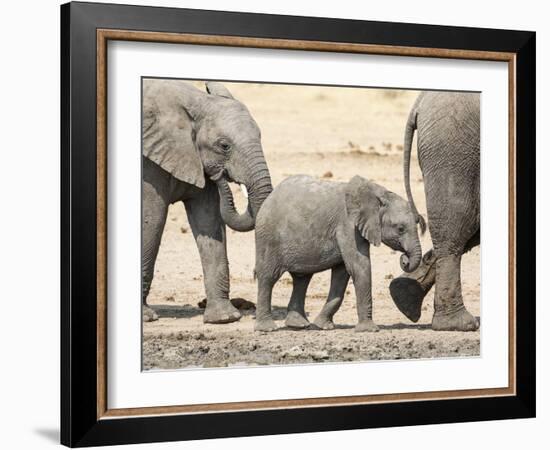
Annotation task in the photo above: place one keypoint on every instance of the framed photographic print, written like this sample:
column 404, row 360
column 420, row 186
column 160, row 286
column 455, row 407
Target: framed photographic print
column 277, row 224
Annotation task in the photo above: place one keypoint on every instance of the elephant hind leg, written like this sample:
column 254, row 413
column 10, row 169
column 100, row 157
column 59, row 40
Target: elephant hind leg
column 264, row 317
column 409, row 289
column 450, row 314
column 296, row 314
column 338, row 283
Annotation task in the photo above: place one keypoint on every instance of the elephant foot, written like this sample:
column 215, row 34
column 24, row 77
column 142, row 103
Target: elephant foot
column 296, row 320
column 265, row 325
column 323, row 323
column 409, row 289
column 407, row 294
column 220, row 312
column 149, row 315
column 461, row 320
column 366, row 326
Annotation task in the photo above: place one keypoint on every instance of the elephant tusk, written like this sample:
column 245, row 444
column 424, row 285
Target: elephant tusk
column 244, row 191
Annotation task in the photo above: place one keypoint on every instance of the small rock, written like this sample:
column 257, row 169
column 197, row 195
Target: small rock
column 328, row 174
column 179, row 337
column 319, row 355
column 183, row 230
column 293, row 352
column 149, row 315
column 170, row 299
column 389, row 276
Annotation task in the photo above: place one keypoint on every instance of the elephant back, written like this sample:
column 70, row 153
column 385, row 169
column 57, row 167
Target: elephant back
column 167, row 129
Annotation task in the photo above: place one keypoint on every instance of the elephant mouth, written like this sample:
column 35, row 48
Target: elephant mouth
column 223, row 173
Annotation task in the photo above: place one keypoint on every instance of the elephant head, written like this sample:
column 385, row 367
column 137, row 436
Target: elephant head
column 193, row 134
column 382, row 216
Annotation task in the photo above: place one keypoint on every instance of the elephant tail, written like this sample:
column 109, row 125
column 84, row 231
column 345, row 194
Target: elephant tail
column 409, row 133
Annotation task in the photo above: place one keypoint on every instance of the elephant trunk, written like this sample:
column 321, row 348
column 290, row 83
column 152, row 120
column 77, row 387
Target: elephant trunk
column 410, row 260
column 409, row 289
column 259, row 187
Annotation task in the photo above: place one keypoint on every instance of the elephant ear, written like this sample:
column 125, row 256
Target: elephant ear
column 363, row 208
column 170, row 109
column 216, row 88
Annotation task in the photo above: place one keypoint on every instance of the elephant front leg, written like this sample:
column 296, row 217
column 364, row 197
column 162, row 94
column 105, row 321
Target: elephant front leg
column 338, row 283
column 409, row 289
column 209, row 232
column 361, row 275
column 155, row 209
column 450, row 314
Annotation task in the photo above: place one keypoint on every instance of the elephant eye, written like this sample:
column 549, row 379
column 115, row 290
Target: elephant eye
column 224, row 145
column 401, row 228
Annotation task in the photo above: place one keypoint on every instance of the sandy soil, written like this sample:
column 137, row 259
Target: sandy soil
column 333, row 133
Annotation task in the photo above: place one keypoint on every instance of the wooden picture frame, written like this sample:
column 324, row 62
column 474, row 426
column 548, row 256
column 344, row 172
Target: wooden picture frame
column 85, row 417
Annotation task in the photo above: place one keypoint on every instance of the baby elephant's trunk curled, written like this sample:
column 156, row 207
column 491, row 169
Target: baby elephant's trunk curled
column 409, row 261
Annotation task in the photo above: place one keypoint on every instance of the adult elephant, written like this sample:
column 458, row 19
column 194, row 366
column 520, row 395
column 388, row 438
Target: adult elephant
column 447, row 127
column 194, row 143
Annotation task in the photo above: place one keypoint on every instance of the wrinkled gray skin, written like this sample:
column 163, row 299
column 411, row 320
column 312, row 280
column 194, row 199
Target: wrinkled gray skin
column 306, row 226
column 447, row 127
column 194, row 143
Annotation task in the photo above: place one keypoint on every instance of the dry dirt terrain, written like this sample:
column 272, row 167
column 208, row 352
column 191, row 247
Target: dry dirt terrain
column 332, row 133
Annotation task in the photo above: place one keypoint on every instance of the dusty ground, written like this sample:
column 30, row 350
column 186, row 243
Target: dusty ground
column 334, row 133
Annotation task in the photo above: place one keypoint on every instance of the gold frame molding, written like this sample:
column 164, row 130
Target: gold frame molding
column 103, row 36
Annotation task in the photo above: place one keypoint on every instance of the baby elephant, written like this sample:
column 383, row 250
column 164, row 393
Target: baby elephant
column 306, row 226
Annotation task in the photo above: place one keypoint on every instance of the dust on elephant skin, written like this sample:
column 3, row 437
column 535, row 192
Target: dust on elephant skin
column 307, row 226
